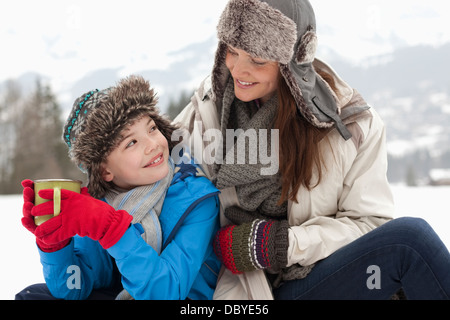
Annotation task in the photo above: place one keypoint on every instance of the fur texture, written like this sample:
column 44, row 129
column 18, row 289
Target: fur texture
column 99, row 125
column 307, row 48
column 259, row 29
column 282, row 31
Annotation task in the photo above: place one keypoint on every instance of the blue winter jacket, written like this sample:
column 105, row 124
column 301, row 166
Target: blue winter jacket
column 186, row 268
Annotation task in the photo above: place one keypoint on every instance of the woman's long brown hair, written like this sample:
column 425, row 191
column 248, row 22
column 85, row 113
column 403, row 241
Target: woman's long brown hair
column 299, row 151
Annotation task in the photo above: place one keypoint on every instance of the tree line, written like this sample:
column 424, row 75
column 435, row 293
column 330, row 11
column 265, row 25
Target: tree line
column 31, row 135
column 31, row 145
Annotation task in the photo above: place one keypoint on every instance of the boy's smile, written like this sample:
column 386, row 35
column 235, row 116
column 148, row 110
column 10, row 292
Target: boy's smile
column 141, row 157
column 155, row 162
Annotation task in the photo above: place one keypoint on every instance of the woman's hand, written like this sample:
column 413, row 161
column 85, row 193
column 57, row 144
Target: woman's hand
column 261, row 244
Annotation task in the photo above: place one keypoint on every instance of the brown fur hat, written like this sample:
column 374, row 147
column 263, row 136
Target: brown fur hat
column 282, row 31
column 97, row 119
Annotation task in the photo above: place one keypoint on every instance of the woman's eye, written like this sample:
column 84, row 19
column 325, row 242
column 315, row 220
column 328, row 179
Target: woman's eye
column 259, row 63
column 153, row 128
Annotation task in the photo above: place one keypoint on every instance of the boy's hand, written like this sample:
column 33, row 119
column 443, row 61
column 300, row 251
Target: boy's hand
column 28, row 218
column 80, row 215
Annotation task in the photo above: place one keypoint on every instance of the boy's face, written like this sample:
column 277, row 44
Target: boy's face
column 141, row 158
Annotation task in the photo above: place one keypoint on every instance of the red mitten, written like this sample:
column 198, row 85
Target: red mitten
column 81, row 215
column 28, row 218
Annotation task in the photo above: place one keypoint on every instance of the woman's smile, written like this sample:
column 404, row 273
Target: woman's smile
column 244, row 84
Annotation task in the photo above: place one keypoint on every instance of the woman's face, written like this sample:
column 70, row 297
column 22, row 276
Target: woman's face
column 254, row 78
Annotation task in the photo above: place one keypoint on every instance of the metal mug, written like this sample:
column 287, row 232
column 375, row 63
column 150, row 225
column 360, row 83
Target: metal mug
column 56, row 185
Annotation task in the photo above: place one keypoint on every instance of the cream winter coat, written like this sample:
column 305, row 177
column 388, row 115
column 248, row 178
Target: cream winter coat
column 353, row 198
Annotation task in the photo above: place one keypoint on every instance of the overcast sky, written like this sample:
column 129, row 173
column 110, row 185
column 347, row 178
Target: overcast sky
column 66, row 39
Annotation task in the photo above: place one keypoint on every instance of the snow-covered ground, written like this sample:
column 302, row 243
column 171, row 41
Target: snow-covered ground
column 20, row 266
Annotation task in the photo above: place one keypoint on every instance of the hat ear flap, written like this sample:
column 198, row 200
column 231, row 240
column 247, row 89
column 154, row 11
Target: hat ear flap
column 307, row 49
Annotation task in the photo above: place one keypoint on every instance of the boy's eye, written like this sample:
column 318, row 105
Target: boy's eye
column 153, row 128
column 232, row 52
column 131, row 143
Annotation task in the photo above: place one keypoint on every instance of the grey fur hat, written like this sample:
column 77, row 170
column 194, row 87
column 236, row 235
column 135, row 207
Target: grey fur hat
column 282, row 31
column 97, row 118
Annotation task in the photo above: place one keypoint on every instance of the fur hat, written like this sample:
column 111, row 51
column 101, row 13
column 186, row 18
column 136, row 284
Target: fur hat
column 282, row 31
column 93, row 127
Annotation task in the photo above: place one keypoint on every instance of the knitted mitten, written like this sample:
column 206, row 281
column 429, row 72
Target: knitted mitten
column 260, row 244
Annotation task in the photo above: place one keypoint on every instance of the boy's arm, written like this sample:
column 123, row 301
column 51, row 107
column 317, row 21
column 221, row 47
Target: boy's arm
column 72, row 272
column 169, row 276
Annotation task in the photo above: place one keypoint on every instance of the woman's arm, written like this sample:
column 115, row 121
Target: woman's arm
column 353, row 198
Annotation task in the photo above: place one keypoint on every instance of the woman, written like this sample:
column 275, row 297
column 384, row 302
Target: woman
column 322, row 227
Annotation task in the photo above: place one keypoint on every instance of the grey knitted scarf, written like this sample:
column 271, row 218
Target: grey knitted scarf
column 144, row 204
column 258, row 194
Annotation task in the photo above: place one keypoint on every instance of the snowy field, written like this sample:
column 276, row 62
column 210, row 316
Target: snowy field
column 20, row 266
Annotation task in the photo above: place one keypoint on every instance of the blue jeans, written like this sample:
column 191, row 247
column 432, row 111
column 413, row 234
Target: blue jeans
column 403, row 253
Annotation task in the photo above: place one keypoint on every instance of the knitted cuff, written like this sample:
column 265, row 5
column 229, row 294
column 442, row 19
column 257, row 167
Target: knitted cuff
column 279, row 241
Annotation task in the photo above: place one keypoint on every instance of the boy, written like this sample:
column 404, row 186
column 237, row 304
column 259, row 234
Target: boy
column 156, row 220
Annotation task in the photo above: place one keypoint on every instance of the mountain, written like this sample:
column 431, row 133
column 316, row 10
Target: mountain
column 191, row 65
column 410, row 89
